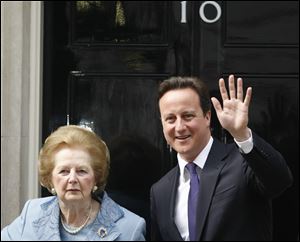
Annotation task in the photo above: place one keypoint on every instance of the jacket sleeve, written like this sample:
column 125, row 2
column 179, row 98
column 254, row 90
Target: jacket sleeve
column 155, row 234
column 270, row 168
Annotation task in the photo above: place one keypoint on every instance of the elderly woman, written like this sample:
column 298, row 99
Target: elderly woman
column 73, row 166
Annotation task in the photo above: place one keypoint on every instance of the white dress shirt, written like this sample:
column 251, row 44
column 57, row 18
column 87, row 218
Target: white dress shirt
column 181, row 207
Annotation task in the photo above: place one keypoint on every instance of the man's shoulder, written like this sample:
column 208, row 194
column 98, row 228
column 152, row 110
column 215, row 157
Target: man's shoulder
column 169, row 176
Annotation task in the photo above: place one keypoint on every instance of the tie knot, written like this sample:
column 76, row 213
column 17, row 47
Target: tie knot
column 191, row 168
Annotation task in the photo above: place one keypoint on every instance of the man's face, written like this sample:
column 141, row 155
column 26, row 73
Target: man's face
column 185, row 127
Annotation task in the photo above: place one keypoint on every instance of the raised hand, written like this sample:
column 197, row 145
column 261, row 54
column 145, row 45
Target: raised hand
column 233, row 116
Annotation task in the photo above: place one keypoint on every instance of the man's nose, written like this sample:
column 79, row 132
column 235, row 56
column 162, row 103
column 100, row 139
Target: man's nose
column 180, row 124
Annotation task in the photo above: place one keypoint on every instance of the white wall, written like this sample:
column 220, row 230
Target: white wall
column 21, row 79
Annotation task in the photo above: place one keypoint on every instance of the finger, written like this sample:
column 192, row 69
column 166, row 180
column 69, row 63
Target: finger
column 240, row 89
column 231, row 86
column 216, row 104
column 248, row 96
column 223, row 90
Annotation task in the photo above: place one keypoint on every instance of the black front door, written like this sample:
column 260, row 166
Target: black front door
column 103, row 62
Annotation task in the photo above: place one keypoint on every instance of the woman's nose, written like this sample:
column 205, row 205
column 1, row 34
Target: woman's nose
column 72, row 176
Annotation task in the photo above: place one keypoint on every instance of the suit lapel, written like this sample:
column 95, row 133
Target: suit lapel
column 208, row 179
column 173, row 179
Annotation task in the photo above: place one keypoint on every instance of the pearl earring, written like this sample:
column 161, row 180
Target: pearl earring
column 53, row 191
column 95, row 188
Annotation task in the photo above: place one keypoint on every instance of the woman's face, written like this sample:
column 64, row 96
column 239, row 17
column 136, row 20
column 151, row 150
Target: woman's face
column 72, row 176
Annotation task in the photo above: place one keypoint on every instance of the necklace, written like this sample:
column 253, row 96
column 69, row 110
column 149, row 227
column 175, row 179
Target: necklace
column 75, row 230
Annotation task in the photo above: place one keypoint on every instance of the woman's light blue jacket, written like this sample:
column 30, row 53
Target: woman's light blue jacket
column 39, row 220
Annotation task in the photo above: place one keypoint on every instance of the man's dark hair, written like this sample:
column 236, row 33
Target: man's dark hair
column 174, row 83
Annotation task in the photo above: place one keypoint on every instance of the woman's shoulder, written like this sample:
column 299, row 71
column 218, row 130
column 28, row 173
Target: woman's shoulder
column 42, row 199
column 119, row 211
column 40, row 202
column 37, row 206
column 132, row 225
column 129, row 214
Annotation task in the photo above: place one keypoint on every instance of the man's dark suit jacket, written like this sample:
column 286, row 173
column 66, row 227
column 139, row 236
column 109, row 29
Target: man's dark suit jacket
column 235, row 194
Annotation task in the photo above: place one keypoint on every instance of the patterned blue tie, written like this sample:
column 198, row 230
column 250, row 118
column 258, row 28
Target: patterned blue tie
column 193, row 198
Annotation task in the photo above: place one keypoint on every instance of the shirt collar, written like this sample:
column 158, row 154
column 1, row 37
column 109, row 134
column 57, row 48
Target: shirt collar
column 199, row 161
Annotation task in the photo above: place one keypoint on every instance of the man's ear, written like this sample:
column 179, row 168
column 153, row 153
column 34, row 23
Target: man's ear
column 208, row 118
column 208, row 115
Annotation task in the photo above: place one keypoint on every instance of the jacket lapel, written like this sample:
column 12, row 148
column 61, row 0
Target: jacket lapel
column 208, row 179
column 173, row 179
column 47, row 226
column 104, row 228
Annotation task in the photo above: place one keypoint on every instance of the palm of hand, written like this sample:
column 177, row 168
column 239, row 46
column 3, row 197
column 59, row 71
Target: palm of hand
column 233, row 116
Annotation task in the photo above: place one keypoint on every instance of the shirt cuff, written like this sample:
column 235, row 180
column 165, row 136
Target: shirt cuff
column 247, row 145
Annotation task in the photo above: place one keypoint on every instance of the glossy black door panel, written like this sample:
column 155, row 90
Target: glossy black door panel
column 111, row 105
column 267, row 24
column 129, row 22
column 265, row 61
column 129, row 60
